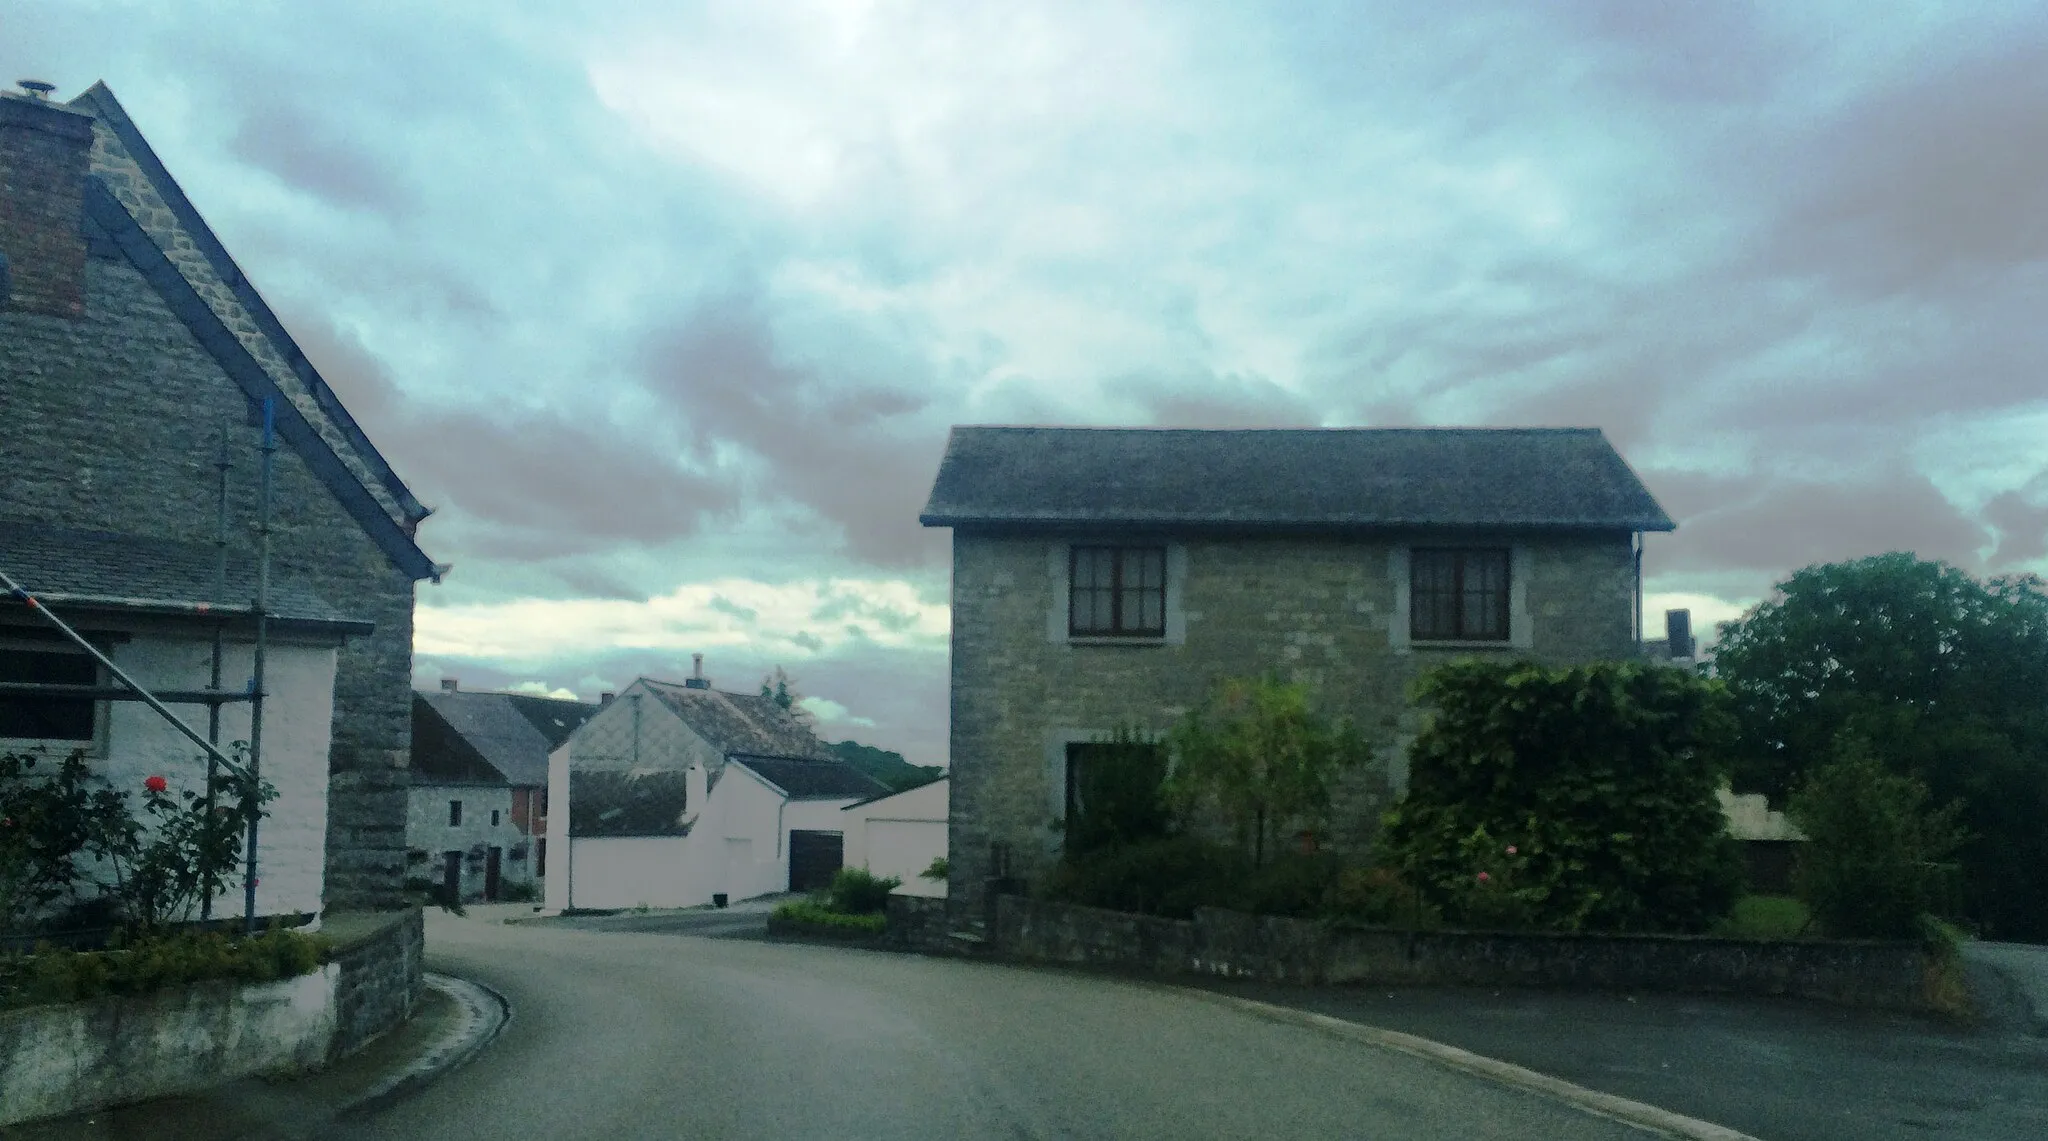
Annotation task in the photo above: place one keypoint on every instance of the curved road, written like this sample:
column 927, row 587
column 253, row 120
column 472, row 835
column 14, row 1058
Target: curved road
column 622, row 1035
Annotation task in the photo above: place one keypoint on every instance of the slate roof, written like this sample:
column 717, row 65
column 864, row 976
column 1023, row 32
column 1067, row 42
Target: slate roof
column 814, row 779
column 497, row 729
column 134, row 205
column 740, row 723
column 1567, row 478
column 101, row 571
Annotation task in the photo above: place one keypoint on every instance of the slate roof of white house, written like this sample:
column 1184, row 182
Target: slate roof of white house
column 814, row 779
column 1566, row 478
column 100, row 570
column 740, row 723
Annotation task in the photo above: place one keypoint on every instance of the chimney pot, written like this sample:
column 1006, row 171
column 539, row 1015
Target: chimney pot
column 449, row 685
column 696, row 665
column 605, row 698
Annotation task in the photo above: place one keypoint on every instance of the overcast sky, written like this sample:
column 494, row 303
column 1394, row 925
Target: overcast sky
column 668, row 314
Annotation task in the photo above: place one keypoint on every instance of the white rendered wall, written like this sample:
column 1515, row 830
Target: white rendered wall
column 297, row 722
column 900, row 836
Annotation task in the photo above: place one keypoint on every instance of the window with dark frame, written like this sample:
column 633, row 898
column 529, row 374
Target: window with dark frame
column 1458, row 594
column 1116, row 592
column 454, row 813
column 35, row 717
column 494, row 818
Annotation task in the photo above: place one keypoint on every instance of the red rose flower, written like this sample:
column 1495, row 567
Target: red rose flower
column 156, row 784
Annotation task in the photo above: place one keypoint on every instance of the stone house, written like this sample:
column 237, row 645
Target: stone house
column 135, row 361
column 477, row 816
column 682, row 795
column 1109, row 577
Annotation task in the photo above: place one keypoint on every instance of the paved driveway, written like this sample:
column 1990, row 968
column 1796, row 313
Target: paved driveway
column 747, row 919
column 1780, row 1070
column 621, row 1034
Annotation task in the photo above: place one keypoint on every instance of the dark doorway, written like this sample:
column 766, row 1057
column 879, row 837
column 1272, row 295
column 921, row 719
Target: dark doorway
column 814, row 858
column 494, row 867
column 540, row 857
column 451, row 875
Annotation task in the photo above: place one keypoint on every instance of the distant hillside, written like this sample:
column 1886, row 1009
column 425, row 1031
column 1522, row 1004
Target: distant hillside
column 889, row 768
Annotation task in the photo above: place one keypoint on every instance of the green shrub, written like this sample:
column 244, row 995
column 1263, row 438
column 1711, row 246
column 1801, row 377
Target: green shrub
column 938, row 870
column 521, row 891
column 158, row 962
column 857, row 891
column 1601, row 777
column 810, row 911
column 1169, row 877
column 1876, row 853
column 1378, row 897
column 1296, row 884
column 1766, row 917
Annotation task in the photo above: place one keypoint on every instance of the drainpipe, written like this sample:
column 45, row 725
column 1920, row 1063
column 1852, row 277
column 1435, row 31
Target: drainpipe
column 1636, row 621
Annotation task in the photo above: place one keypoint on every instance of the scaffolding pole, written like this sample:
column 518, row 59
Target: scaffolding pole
column 256, row 676
column 221, row 463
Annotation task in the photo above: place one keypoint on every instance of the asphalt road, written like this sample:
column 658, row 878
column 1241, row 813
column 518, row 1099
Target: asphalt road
column 631, row 1035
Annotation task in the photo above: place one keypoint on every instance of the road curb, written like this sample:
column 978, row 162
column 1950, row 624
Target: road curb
column 1599, row 1104
column 484, row 1013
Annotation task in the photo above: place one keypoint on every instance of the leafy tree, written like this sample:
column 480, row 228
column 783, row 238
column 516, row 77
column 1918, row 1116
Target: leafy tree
column 775, row 687
column 1257, row 754
column 1568, row 799
column 1944, row 676
column 885, row 765
column 1877, row 854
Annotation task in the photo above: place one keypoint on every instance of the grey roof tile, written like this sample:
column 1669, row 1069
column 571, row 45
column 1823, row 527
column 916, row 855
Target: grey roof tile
column 100, row 570
column 814, row 779
column 500, row 730
column 740, row 723
column 1308, row 478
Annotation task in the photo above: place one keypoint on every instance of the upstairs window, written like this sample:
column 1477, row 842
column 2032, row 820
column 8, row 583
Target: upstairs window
column 41, row 717
column 1458, row 595
column 1117, row 592
column 454, row 813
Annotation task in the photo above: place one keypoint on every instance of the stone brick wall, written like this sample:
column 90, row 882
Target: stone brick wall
column 382, row 971
column 1330, row 612
column 44, row 151
column 1892, row 976
column 429, row 831
column 113, row 421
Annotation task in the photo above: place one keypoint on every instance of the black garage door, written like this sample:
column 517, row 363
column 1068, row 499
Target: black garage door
column 814, row 858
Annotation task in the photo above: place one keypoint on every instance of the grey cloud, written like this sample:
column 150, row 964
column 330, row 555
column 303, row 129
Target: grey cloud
column 1932, row 183
column 2021, row 519
column 321, row 158
column 544, row 483
column 1775, row 525
column 862, row 458
column 1213, row 401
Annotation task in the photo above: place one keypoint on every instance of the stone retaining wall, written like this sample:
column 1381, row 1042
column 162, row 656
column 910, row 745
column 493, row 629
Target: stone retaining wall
column 62, row 1059
column 1884, row 975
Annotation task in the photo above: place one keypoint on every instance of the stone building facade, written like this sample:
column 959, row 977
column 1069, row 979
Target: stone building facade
column 1304, row 566
column 133, row 354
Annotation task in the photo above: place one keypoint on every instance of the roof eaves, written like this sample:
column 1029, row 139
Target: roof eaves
column 750, row 771
column 109, row 109
column 896, row 792
column 234, row 359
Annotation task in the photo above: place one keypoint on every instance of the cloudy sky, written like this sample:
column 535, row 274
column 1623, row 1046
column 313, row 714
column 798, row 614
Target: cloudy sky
column 667, row 307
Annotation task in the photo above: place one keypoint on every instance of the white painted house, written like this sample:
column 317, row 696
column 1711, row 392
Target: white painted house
column 900, row 834
column 675, row 795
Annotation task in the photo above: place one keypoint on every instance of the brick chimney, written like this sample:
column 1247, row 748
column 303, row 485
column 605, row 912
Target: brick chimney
column 450, row 685
column 45, row 153
column 697, row 680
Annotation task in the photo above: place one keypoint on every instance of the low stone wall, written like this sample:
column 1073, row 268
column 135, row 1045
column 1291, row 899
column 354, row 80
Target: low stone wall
column 382, row 961
column 1886, row 975
column 61, row 1059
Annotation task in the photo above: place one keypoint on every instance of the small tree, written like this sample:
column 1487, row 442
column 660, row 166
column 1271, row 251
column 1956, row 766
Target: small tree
column 1876, row 852
column 1257, row 754
column 775, row 687
column 1568, row 798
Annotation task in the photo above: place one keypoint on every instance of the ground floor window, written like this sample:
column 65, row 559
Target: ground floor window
column 38, row 717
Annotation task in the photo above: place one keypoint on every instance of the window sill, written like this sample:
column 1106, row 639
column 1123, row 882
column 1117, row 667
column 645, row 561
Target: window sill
column 1451, row 645
column 1116, row 640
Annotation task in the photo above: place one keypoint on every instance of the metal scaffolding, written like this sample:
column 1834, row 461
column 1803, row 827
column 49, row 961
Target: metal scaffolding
column 213, row 697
